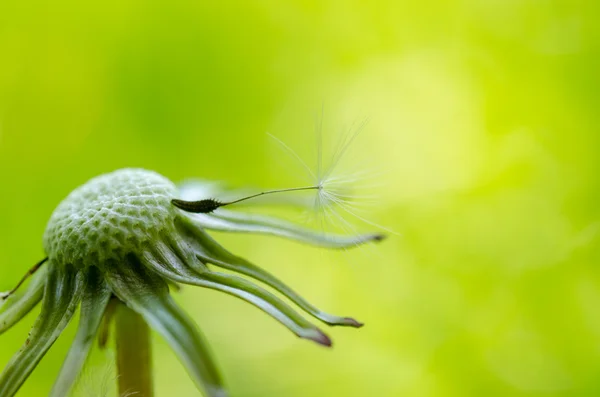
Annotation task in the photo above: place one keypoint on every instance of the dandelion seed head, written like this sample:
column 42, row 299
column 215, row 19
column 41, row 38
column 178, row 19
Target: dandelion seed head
column 109, row 216
column 126, row 236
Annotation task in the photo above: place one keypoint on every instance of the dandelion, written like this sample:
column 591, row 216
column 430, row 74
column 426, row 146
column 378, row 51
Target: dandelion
column 121, row 239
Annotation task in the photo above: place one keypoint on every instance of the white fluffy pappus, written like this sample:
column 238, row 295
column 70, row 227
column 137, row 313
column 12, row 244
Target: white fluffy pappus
column 339, row 196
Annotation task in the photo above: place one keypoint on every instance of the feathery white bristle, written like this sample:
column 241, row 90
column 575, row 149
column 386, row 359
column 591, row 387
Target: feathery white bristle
column 336, row 196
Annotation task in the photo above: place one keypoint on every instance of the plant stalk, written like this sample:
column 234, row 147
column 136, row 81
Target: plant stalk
column 134, row 354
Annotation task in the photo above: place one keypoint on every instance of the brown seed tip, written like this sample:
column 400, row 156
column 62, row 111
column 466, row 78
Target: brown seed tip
column 352, row 322
column 320, row 337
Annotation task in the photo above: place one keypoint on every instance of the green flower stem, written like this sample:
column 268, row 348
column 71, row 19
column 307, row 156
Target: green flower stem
column 134, row 355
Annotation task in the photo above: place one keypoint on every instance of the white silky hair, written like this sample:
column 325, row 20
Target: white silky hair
column 339, row 196
column 100, row 380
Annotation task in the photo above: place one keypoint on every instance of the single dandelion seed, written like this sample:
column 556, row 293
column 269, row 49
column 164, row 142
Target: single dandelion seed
column 335, row 192
column 113, row 248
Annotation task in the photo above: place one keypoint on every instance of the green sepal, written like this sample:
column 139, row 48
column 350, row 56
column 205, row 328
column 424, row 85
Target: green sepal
column 230, row 221
column 18, row 307
column 62, row 294
column 240, row 288
column 93, row 305
column 211, row 251
column 147, row 294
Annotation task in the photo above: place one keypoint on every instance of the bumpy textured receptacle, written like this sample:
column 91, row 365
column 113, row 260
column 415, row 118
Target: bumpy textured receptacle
column 109, row 217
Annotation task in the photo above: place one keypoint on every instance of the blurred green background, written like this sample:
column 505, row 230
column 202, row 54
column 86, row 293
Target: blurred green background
column 483, row 117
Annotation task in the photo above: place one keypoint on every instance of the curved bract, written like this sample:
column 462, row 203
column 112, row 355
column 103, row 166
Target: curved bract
column 119, row 236
column 18, row 308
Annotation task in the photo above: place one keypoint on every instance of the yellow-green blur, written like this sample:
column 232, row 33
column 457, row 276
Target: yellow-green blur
column 481, row 148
